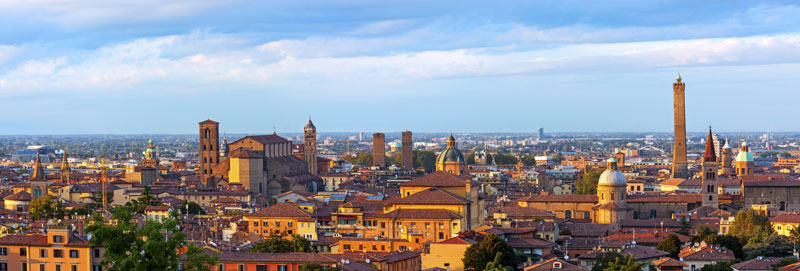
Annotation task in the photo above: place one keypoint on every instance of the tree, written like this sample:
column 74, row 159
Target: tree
column 364, row 158
column 588, row 184
column 395, row 159
column 278, row 243
column 480, row 254
column 528, row 160
column 771, row 245
column 749, row 224
column 196, row 260
column 504, row 159
column 670, row 244
column 625, row 263
column 604, row 260
column 719, row 266
column 565, row 231
column 685, row 226
column 496, row 265
column 426, row 159
column 192, row 208
column 131, row 248
column 784, row 262
column 733, row 243
column 46, row 207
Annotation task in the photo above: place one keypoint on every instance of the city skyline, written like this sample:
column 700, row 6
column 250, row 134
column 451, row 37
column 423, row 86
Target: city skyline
column 68, row 69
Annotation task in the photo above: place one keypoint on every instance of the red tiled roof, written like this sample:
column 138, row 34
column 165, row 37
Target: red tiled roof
column 786, row 218
column 273, row 257
column 421, row 214
column 706, row 253
column 159, row 208
column 265, row 139
column 530, row 242
column 19, row 196
column 756, row 264
column 433, row 196
column 669, row 262
column 548, row 266
column 686, row 198
column 561, row 198
column 439, row 179
column 519, row 211
column 458, row 241
column 25, row 240
column 782, row 182
column 246, row 154
column 280, row 210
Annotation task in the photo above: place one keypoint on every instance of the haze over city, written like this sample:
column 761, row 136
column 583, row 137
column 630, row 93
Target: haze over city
column 147, row 67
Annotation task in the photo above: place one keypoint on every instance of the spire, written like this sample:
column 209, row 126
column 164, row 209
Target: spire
column 679, row 77
column 726, row 146
column 38, row 170
column 709, row 155
column 64, row 164
column 451, row 142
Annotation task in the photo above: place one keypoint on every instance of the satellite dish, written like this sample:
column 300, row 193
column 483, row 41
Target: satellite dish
column 367, row 260
column 347, row 262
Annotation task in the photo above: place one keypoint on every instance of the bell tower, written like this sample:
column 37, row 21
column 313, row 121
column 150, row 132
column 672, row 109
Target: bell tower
column 679, row 166
column 38, row 181
column 310, row 147
column 710, row 170
column 209, row 150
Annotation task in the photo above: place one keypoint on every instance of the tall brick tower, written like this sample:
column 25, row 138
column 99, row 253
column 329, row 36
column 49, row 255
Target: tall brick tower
column 378, row 150
column 710, row 170
column 406, row 154
column 310, row 147
column 209, row 150
column 679, row 166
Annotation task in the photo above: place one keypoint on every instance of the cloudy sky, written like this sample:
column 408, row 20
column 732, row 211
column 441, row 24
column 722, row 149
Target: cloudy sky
column 161, row 66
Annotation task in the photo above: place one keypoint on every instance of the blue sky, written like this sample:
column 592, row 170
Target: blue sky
column 155, row 66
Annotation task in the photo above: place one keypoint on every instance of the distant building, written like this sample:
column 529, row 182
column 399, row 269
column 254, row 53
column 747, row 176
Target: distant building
column 680, row 168
column 451, row 160
column 541, row 133
column 29, row 154
column 310, row 147
column 406, row 154
column 378, row 150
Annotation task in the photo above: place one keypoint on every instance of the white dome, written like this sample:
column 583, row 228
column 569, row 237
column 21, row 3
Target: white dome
column 612, row 177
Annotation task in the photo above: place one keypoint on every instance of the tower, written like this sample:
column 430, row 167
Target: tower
column 310, row 147
column 149, row 169
column 727, row 160
column 38, row 181
column 744, row 161
column 209, row 151
column 64, row 168
column 611, row 191
column 679, row 165
column 709, row 181
column 378, row 150
column 103, row 181
column 406, row 154
column 223, row 149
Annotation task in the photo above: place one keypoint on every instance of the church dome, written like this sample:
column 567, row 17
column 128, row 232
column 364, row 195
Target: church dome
column 612, row 176
column 450, row 155
column 744, row 154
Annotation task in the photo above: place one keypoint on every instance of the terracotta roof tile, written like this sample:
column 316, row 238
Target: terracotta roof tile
column 281, row 210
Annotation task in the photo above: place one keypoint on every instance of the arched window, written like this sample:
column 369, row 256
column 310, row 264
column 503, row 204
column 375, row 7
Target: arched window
column 208, row 133
column 37, row 192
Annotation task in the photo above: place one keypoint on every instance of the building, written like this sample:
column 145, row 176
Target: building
column 39, row 182
column 679, row 165
column 611, row 192
column 777, row 193
column 447, row 253
column 269, row 261
column 209, row 151
column 451, row 160
column 784, row 223
column 149, row 166
column 443, row 190
column 727, row 160
column 378, row 150
column 248, row 169
column 555, row 264
column 709, row 185
column 703, row 254
column 310, row 147
column 56, row 249
column 284, row 171
column 541, row 133
column 406, row 154
column 282, row 218
column 744, row 161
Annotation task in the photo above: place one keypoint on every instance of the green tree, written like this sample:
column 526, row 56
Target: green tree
column 685, row 226
column 749, row 224
column 528, row 160
column 192, row 208
column 625, row 263
column 131, row 248
column 496, row 264
column 771, row 245
column 426, row 159
column 604, row 260
column 565, row 231
column 784, row 262
column 733, row 243
column 364, row 158
column 46, row 207
column 505, row 159
column 196, row 260
column 395, row 159
column 471, row 158
column 480, row 254
column 670, row 244
column 588, row 184
column 719, row 266
column 278, row 243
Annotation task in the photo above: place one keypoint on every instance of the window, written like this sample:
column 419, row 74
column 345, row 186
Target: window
column 23, row 251
column 282, row 268
column 346, row 247
column 441, row 235
column 264, row 223
column 43, row 253
column 221, row 267
column 783, row 206
column 261, row 267
column 24, row 266
column 568, row 213
column 653, row 213
column 3, row 251
column 74, row 267
column 3, row 266
column 289, row 224
column 41, row 267
column 277, row 223
column 383, row 247
column 556, row 265
column 97, row 268
column 241, row 267
column 57, row 253
column 97, row 253
column 374, row 247
column 73, row 253
column 383, row 225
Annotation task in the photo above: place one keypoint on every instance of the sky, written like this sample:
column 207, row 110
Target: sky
column 162, row 66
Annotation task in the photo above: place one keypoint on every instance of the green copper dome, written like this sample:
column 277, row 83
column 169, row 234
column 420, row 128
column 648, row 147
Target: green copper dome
column 450, row 155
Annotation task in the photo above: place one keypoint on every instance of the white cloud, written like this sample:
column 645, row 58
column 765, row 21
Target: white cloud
column 174, row 62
